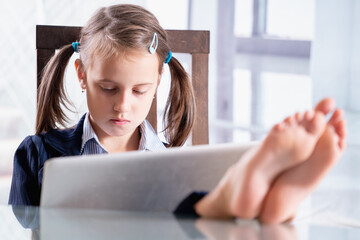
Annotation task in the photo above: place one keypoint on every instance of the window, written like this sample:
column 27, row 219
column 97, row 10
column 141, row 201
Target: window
column 243, row 17
column 291, row 19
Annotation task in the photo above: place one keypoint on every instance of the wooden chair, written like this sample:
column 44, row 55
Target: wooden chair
column 196, row 43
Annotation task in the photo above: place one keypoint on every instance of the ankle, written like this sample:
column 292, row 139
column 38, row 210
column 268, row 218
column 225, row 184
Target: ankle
column 215, row 204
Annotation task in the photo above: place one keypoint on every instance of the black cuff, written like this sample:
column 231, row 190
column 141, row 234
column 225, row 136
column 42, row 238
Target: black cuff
column 186, row 207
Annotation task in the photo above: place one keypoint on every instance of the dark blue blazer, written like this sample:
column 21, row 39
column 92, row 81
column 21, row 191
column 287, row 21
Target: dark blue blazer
column 36, row 149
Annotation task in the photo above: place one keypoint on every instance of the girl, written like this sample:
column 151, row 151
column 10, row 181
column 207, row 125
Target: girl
column 122, row 52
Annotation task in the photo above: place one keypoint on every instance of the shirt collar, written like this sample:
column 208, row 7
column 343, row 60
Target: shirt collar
column 88, row 134
column 149, row 140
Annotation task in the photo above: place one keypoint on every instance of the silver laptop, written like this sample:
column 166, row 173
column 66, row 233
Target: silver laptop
column 144, row 181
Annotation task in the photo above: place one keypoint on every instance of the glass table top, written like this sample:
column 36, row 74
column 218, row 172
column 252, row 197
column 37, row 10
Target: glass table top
column 331, row 212
column 335, row 219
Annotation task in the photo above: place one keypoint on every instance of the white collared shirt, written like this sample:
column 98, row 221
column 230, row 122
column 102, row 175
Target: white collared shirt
column 90, row 144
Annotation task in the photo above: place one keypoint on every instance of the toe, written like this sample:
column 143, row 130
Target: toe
column 299, row 116
column 340, row 129
column 309, row 115
column 337, row 116
column 325, row 105
column 289, row 121
column 279, row 127
column 317, row 124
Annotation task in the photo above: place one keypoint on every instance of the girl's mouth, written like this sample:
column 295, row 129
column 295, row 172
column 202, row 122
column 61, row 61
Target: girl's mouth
column 121, row 121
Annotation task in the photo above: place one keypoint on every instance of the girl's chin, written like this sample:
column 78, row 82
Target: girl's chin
column 116, row 132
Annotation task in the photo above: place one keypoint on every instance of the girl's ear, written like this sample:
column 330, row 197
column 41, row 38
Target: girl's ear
column 80, row 72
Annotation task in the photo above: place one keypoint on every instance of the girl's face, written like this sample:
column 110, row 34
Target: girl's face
column 120, row 92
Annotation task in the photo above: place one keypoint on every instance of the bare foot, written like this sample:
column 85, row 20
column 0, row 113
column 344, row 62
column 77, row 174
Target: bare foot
column 244, row 186
column 295, row 184
column 287, row 145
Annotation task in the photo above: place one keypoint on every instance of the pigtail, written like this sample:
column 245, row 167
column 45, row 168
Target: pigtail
column 51, row 92
column 180, row 106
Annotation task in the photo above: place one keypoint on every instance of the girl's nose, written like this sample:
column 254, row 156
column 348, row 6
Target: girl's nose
column 122, row 103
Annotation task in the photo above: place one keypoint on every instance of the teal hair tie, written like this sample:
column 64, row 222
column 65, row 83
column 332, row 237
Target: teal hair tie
column 75, row 46
column 167, row 59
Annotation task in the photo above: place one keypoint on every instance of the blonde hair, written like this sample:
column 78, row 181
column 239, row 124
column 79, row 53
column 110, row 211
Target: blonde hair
column 113, row 30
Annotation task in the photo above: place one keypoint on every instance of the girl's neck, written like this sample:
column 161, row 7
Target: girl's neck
column 126, row 143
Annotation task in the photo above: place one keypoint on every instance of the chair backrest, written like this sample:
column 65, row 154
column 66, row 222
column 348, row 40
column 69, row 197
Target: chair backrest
column 196, row 43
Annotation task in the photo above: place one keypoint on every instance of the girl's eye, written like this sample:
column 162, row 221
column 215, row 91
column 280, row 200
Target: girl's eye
column 108, row 89
column 139, row 92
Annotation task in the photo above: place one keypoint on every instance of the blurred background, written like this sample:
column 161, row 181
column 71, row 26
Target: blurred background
column 268, row 59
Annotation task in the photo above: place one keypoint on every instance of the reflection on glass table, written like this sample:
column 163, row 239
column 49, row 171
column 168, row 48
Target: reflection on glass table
column 337, row 217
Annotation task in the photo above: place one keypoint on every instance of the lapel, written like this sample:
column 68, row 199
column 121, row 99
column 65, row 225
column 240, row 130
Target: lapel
column 66, row 142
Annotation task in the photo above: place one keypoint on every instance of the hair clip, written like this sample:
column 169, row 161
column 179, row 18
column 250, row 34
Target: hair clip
column 168, row 57
column 75, row 46
column 154, row 44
